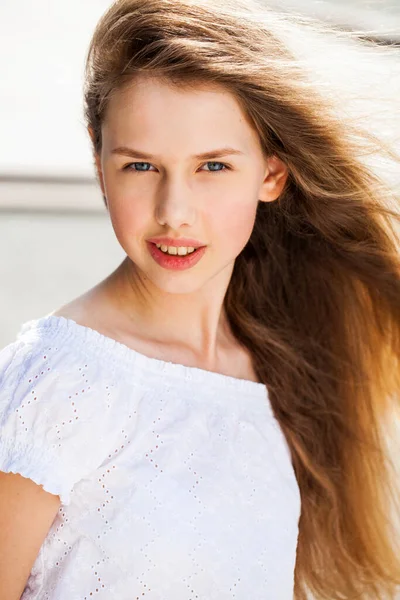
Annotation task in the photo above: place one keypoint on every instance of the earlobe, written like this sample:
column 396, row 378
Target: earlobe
column 274, row 181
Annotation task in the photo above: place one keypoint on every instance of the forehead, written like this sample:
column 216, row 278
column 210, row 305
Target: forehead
column 152, row 92
column 152, row 108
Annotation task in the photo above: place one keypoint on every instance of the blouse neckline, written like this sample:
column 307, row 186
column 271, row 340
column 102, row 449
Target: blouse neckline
column 92, row 342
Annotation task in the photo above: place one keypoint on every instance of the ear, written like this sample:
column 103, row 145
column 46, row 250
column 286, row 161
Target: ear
column 275, row 178
column 97, row 159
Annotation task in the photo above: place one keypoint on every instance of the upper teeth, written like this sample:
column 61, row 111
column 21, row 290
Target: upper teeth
column 181, row 250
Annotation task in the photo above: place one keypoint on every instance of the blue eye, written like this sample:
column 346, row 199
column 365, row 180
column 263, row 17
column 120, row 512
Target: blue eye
column 217, row 163
column 128, row 166
column 132, row 167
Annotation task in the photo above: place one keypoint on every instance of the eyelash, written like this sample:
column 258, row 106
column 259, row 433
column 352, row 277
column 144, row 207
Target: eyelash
column 127, row 167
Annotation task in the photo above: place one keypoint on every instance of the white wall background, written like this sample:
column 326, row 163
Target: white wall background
column 56, row 240
column 43, row 44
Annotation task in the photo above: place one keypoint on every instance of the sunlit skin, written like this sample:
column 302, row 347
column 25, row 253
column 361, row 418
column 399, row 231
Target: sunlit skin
column 212, row 200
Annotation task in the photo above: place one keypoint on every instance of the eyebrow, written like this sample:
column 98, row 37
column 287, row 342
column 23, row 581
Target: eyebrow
column 125, row 151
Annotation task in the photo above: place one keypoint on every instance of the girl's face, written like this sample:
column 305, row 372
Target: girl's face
column 171, row 192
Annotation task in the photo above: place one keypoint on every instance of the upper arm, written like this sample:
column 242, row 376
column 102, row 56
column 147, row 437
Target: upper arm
column 26, row 515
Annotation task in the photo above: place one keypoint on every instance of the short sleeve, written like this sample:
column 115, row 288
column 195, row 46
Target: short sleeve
column 54, row 421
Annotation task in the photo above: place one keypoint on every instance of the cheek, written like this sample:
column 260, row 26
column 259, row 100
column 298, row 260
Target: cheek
column 129, row 216
column 234, row 223
column 130, row 224
column 127, row 208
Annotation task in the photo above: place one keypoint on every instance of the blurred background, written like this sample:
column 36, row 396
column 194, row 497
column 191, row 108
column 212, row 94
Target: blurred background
column 56, row 240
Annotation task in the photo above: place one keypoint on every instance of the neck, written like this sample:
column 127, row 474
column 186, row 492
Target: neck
column 195, row 322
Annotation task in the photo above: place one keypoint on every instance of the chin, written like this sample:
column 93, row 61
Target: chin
column 179, row 283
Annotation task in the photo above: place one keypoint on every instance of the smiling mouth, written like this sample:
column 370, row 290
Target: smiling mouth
column 188, row 252
column 176, row 261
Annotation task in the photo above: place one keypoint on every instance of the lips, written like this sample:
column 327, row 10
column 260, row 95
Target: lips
column 175, row 262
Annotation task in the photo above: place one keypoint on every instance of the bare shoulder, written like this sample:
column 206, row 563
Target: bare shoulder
column 95, row 306
column 96, row 309
column 77, row 309
column 87, row 309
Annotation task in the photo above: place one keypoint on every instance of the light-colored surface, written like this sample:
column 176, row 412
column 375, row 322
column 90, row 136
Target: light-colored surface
column 48, row 259
column 380, row 18
column 43, row 46
column 175, row 482
column 51, row 195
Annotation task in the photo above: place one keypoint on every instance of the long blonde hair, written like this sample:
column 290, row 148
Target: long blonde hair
column 315, row 294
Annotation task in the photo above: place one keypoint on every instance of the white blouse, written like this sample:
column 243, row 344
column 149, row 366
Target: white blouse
column 176, row 483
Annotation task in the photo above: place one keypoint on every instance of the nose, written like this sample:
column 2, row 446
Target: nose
column 175, row 205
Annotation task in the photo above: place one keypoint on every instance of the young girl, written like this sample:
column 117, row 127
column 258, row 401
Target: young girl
column 210, row 420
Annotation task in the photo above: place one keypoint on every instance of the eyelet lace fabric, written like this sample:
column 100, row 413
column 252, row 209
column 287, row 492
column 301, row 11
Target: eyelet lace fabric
column 176, row 483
